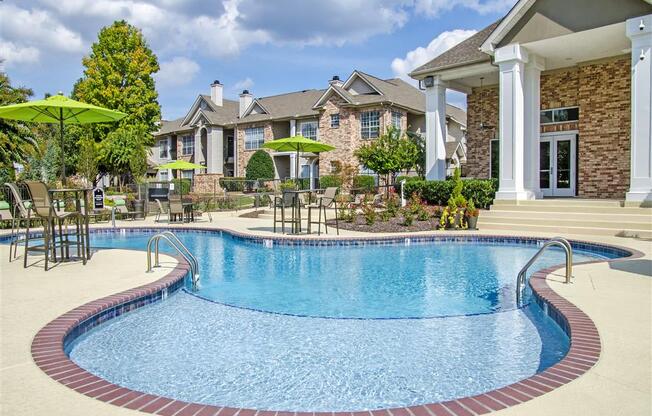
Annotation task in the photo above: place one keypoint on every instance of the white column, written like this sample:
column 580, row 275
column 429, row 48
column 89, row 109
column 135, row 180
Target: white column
column 293, row 163
column 293, row 128
column 215, row 150
column 436, row 130
column 511, row 60
column 198, row 156
column 639, row 30
column 532, row 98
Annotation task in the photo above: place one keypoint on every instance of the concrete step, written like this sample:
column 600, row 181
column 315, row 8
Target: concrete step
column 564, row 202
column 579, row 216
column 620, row 222
column 563, row 229
column 573, row 208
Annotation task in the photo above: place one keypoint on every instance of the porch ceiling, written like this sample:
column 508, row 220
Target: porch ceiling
column 571, row 49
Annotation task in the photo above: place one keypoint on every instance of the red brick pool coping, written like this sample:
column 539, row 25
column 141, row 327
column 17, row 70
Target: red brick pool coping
column 48, row 353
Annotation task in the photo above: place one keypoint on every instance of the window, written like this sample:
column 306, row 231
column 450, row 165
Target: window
column 164, row 149
column 560, row 115
column 309, row 130
column 188, row 145
column 335, row 121
column 369, row 124
column 163, row 175
column 254, row 138
column 396, row 119
column 494, row 163
column 187, row 174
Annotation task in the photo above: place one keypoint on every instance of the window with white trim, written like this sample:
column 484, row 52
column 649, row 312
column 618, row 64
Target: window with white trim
column 163, row 175
column 309, row 130
column 254, row 138
column 187, row 174
column 560, row 115
column 396, row 119
column 369, row 124
column 164, row 148
column 187, row 145
column 335, row 120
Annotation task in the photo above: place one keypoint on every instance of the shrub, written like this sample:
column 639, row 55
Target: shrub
column 385, row 216
column 235, row 184
column 392, row 204
column 482, row 191
column 408, row 216
column 181, row 186
column 329, row 181
column 368, row 212
column 366, row 183
column 456, row 196
column 288, row 185
column 260, row 166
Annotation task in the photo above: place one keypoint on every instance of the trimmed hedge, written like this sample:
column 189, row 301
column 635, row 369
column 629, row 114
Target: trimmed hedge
column 364, row 182
column 329, row 181
column 235, row 184
column 260, row 166
column 482, row 191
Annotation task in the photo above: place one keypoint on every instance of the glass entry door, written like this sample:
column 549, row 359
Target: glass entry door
column 557, row 165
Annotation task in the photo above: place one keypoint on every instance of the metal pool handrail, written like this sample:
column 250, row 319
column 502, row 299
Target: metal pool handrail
column 181, row 249
column 555, row 241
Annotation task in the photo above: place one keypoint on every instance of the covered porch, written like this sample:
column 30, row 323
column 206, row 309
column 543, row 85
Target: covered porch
column 555, row 112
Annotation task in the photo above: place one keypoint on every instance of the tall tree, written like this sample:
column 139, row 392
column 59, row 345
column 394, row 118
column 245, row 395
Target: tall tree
column 16, row 139
column 118, row 75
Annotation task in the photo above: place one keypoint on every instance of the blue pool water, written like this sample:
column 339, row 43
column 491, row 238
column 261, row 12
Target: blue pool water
column 285, row 346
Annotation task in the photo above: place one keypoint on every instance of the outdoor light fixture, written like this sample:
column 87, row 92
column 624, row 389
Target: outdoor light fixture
column 429, row 81
column 642, row 55
column 641, row 26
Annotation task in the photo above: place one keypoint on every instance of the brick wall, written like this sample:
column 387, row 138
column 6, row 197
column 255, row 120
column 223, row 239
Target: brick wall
column 604, row 143
column 602, row 92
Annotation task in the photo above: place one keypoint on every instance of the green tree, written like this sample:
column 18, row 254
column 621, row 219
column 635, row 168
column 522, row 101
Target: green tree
column 87, row 159
column 118, row 75
column 390, row 154
column 420, row 142
column 16, row 139
column 260, row 166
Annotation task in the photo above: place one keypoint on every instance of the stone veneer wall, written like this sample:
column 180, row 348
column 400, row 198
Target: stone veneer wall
column 207, row 183
column 602, row 92
column 244, row 155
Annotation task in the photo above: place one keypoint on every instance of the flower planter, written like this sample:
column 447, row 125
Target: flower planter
column 472, row 222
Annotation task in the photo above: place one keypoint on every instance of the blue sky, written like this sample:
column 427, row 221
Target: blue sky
column 266, row 46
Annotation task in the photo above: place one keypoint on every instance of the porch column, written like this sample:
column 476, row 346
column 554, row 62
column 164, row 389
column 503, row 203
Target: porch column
column 436, row 130
column 532, row 124
column 215, row 150
column 293, row 162
column 639, row 30
column 293, row 128
column 511, row 60
column 197, row 154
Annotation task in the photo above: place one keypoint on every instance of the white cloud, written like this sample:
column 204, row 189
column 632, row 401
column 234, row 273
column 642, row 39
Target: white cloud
column 243, row 84
column 38, row 29
column 419, row 56
column 12, row 54
column 177, row 71
column 433, row 8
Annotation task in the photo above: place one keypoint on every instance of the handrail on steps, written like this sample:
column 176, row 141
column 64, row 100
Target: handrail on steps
column 181, row 249
column 555, row 241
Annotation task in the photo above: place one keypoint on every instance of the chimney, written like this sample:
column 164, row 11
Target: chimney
column 245, row 101
column 217, row 93
column 336, row 81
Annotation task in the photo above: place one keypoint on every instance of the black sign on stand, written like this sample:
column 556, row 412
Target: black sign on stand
column 98, row 198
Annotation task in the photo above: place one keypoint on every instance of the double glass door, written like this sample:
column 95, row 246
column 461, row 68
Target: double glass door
column 557, row 165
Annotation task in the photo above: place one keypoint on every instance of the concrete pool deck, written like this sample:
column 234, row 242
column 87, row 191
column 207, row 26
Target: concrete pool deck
column 617, row 296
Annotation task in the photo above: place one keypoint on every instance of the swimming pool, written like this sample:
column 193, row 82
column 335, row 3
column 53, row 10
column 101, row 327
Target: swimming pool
column 338, row 327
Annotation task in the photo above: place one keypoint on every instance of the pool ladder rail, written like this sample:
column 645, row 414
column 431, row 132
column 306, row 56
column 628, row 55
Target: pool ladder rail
column 555, row 241
column 174, row 241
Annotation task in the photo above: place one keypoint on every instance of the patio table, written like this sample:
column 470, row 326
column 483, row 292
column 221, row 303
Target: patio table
column 296, row 212
column 78, row 194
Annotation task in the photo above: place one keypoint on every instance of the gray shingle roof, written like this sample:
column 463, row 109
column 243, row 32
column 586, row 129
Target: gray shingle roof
column 456, row 114
column 464, row 53
column 226, row 114
column 290, row 105
column 169, row 126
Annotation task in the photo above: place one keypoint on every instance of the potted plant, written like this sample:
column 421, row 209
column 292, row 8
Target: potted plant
column 471, row 215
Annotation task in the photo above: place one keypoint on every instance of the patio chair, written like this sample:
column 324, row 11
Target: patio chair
column 120, row 208
column 160, row 210
column 199, row 212
column 19, row 214
column 175, row 213
column 51, row 217
column 325, row 200
column 281, row 202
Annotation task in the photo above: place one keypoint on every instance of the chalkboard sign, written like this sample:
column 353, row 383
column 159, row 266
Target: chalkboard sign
column 98, row 198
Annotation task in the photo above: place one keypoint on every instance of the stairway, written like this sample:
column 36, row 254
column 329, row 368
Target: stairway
column 569, row 216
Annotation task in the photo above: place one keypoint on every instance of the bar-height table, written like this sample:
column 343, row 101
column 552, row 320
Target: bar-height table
column 84, row 193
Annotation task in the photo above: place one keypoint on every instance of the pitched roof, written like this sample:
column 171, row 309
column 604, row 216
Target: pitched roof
column 451, row 148
column 226, row 114
column 464, row 53
column 169, row 126
column 289, row 105
column 456, row 114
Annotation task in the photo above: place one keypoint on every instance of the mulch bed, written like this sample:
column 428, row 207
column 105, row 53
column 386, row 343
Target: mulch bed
column 394, row 225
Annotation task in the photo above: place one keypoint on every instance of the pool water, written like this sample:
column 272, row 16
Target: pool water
column 373, row 281
column 330, row 328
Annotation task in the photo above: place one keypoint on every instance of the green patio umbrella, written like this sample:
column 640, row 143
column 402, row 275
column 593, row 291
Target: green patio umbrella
column 180, row 165
column 61, row 110
column 298, row 144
